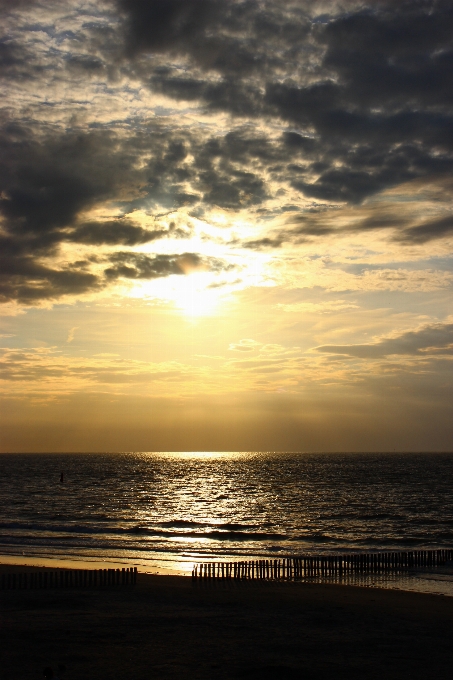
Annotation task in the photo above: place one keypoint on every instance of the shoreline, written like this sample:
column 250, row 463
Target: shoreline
column 426, row 584
column 57, row 563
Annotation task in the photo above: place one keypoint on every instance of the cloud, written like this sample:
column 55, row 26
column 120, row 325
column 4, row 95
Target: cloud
column 113, row 232
column 233, row 38
column 71, row 334
column 47, row 183
column 26, row 280
column 326, row 307
column 436, row 339
column 375, row 110
column 406, row 226
column 245, row 345
column 41, row 368
column 427, row 231
column 139, row 266
column 337, row 103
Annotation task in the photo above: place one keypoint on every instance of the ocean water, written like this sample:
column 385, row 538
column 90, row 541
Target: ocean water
column 170, row 510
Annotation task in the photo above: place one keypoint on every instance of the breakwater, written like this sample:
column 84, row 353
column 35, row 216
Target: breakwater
column 293, row 568
column 69, row 578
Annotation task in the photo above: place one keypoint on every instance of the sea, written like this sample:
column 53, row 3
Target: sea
column 164, row 512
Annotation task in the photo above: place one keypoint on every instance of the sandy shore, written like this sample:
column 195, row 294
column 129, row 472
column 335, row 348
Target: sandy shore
column 167, row 627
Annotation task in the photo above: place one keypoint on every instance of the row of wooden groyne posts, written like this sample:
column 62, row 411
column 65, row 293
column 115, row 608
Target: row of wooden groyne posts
column 293, row 568
column 288, row 568
column 69, row 578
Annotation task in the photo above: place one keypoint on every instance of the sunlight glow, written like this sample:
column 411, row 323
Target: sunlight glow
column 190, row 294
column 195, row 300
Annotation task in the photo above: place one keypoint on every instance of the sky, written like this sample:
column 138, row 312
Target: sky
column 226, row 225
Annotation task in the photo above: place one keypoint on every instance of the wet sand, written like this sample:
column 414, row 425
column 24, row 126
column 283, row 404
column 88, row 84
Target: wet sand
column 168, row 627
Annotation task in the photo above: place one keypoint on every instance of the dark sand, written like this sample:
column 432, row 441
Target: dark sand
column 168, row 627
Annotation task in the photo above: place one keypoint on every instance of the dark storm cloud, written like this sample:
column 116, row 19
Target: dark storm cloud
column 237, row 98
column 114, row 232
column 320, row 222
column 427, row 231
column 365, row 95
column 85, row 64
column 45, row 184
column 10, row 5
column 377, row 107
column 396, row 56
column 431, row 340
column 231, row 38
column 386, row 96
column 140, row 266
column 26, row 280
column 18, row 62
column 262, row 243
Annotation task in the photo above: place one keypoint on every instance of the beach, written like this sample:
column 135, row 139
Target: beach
column 169, row 627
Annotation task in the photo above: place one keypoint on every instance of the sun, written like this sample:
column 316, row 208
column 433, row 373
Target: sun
column 193, row 298
column 193, row 295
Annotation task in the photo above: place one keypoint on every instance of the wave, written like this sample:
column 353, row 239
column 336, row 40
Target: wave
column 183, row 523
column 220, row 534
